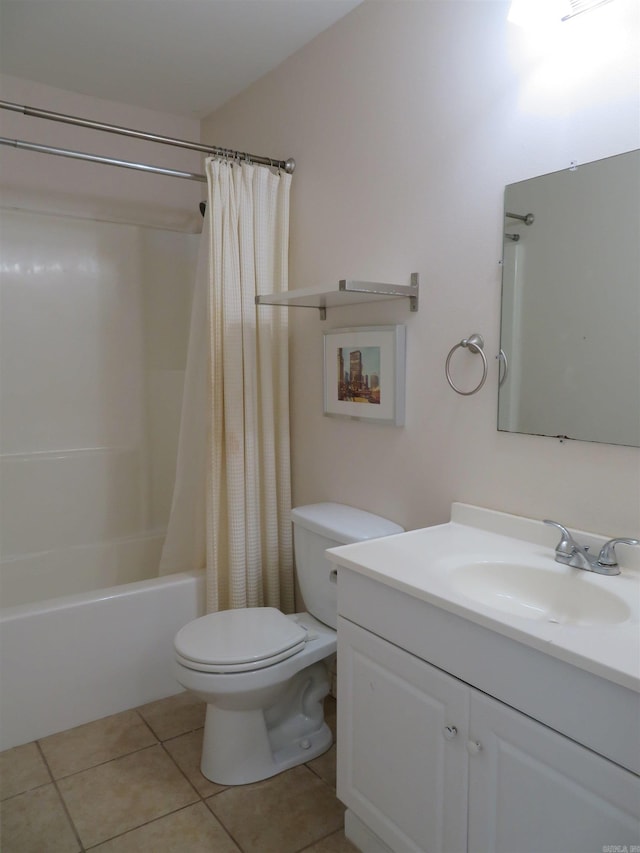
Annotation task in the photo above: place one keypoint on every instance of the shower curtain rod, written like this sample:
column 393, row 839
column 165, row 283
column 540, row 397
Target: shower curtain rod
column 95, row 158
column 34, row 112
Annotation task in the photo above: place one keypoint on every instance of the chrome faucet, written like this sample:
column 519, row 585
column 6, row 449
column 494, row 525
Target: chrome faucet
column 570, row 553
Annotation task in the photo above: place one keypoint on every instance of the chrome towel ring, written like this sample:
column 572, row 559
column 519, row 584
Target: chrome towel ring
column 475, row 343
column 502, row 357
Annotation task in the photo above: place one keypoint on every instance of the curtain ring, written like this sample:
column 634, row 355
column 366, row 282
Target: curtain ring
column 476, row 344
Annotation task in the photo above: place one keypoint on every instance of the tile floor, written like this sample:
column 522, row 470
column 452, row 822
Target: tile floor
column 131, row 783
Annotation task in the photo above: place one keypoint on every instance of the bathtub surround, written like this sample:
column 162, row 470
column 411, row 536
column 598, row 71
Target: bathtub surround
column 101, row 264
column 93, row 333
column 95, row 309
column 407, row 120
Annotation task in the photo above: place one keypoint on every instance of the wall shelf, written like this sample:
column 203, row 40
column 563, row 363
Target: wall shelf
column 347, row 293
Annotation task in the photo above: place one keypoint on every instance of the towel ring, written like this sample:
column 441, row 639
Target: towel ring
column 502, row 357
column 476, row 344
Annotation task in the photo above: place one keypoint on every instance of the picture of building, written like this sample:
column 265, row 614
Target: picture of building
column 361, row 382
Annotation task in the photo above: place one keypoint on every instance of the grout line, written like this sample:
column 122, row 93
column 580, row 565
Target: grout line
column 322, row 838
column 61, row 798
column 182, row 734
column 200, row 798
column 182, row 772
column 150, row 726
column 147, row 724
column 44, row 758
column 106, row 761
column 321, row 778
column 26, row 791
column 33, row 787
column 140, row 826
column 221, row 824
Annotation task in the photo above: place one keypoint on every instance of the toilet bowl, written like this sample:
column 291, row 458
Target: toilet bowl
column 262, row 674
column 262, row 721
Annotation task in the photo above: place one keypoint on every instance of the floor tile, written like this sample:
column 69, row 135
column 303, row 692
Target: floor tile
column 191, row 830
column 21, row 769
column 334, row 843
column 174, row 715
column 94, row 743
column 280, row 815
column 36, row 822
column 186, row 751
column 325, row 766
column 112, row 798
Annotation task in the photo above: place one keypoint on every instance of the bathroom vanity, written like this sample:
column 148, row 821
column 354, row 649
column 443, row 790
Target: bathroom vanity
column 489, row 697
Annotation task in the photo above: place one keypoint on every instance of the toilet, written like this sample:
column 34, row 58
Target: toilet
column 262, row 674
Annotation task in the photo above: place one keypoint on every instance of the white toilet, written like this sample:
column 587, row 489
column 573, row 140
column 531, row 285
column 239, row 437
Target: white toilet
column 263, row 674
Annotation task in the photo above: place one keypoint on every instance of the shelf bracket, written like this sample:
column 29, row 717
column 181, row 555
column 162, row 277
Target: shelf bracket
column 352, row 292
column 376, row 288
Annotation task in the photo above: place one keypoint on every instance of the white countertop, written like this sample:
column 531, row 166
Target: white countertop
column 421, row 564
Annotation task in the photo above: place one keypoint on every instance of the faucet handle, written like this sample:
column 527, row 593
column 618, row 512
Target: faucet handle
column 607, row 555
column 567, row 544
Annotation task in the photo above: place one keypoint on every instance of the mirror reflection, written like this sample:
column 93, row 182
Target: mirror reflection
column 570, row 326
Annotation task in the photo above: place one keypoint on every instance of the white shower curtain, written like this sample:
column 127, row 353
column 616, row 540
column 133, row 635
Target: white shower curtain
column 231, row 503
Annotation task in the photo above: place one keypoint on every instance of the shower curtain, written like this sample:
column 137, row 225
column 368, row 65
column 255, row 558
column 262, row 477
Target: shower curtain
column 231, row 503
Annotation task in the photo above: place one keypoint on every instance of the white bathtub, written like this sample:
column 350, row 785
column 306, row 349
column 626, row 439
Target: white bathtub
column 74, row 659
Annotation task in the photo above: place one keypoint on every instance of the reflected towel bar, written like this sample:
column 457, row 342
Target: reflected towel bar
column 528, row 218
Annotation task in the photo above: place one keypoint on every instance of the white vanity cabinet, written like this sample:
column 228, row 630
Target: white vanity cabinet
column 402, row 764
column 533, row 790
column 431, row 764
column 427, row 762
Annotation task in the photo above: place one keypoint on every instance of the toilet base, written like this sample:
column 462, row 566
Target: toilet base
column 243, row 746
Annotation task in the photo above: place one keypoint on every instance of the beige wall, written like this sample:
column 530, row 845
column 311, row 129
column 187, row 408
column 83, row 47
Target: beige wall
column 406, row 120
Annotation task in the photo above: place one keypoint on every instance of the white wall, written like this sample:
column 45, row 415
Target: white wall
column 407, row 119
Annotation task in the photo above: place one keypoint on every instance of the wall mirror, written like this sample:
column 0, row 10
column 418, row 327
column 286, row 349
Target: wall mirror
column 570, row 324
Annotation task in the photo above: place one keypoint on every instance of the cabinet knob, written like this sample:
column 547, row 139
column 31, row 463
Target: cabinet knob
column 474, row 747
column 450, row 732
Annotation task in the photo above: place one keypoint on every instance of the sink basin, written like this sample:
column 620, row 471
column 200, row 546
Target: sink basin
column 537, row 593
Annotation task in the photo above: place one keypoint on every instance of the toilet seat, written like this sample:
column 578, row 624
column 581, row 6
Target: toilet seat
column 239, row 640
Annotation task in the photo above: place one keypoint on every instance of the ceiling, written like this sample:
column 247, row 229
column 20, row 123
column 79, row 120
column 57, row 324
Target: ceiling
column 185, row 57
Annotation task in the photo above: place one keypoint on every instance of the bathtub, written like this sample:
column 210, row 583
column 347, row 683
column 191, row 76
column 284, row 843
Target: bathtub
column 74, row 659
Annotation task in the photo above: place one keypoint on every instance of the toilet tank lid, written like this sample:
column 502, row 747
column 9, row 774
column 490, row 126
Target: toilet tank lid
column 343, row 524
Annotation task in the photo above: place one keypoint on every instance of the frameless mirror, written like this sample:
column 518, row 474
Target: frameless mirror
column 570, row 326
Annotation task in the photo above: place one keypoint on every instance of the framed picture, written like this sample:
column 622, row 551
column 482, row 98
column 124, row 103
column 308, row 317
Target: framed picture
column 364, row 373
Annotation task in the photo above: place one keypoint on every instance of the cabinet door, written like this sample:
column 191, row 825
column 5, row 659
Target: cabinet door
column 402, row 767
column 532, row 790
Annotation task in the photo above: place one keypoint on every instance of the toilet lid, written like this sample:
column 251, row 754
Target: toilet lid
column 239, row 640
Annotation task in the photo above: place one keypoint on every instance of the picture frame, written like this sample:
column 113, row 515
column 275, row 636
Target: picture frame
column 364, row 373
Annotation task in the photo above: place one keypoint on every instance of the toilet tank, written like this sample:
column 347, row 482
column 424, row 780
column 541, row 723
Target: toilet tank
column 325, row 525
